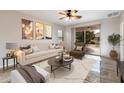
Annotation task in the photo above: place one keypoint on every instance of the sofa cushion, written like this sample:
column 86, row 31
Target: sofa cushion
column 35, row 54
column 43, row 46
column 57, row 46
column 41, row 53
column 52, row 46
column 28, row 51
column 35, row 48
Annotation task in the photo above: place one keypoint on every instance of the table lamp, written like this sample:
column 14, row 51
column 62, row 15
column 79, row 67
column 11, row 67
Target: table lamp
column 12, row 48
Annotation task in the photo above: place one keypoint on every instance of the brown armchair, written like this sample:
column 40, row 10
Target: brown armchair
column 79, row 50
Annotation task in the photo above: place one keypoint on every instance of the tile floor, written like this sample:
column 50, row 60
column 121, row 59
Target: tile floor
column 93, row 49
column 106, row 74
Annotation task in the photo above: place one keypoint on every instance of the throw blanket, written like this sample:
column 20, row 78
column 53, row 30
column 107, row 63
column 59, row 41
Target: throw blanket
column 30, row 74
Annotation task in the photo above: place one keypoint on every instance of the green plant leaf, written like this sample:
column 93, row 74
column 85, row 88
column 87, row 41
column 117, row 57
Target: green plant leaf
column 114, row 39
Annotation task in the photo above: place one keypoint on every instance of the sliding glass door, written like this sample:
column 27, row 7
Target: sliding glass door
column 80, row 37
column 85, row 36
column 91, row 39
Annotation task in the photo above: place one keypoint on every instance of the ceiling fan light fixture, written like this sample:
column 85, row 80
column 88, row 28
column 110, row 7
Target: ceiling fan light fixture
column 72, row 18
column 70, row 15
column 67, row 18
column 73, row 12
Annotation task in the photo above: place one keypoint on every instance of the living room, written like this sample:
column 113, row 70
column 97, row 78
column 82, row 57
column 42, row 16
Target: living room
column 62, row 33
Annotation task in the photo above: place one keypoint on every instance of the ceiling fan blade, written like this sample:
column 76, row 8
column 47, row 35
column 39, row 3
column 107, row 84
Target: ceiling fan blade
column 75, row 11
column 62, row 18
column 79, row 16
column 69, row 14
column 61, row 13
column 76, row 17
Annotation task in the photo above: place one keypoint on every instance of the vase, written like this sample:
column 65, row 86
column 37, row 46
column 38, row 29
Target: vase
column 113, row 54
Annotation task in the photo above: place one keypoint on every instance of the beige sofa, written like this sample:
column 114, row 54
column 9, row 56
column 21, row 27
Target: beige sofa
column 44, row 53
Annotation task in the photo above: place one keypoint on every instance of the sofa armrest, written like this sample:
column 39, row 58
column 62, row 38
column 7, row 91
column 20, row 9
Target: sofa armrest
column 21, row 58
column 16, row 77
column 43, row 72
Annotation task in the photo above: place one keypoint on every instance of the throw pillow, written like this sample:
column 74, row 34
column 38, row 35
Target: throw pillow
column 66, row 56
column 52, row 46
column 79, row 48
column 35, row 48
column 57, row 46
column 28, row 51
column 25, row 47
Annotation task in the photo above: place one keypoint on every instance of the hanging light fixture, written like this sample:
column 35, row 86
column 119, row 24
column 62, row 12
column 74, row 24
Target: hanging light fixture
column 70, row 15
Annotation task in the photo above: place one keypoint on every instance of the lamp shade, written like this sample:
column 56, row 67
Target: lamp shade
column 11, row 45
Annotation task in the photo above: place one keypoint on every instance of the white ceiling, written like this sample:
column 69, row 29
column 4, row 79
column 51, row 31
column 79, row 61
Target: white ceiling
column 53, row 16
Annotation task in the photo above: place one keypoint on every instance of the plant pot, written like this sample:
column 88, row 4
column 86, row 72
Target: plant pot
column 113, row 54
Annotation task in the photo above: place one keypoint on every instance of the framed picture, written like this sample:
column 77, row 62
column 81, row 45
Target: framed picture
column 48, row 33
column 39, row 31
column 27, row 29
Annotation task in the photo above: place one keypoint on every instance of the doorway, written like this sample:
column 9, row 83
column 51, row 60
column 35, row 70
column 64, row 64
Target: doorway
column 90, row 35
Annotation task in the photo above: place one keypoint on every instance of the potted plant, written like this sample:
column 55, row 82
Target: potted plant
column 114, row 39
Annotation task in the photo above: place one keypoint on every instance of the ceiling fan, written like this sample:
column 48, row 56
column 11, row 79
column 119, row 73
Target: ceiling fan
column 69, row 15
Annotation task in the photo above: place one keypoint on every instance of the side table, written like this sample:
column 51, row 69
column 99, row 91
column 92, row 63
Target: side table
column 5, row 59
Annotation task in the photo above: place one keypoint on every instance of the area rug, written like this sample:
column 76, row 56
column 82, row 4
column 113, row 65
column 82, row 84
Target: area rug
column 78, row 73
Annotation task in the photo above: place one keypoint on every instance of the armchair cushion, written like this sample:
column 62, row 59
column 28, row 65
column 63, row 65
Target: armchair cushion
column 79, row 50
column 77, row 54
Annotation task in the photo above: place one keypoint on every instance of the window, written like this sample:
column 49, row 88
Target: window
column 60, row 35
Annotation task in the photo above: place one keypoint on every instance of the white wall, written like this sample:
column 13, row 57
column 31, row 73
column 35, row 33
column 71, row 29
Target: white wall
column 67, row 38
column 10, row 30
column 122, row 37
column 108, row 26
column 73, row 38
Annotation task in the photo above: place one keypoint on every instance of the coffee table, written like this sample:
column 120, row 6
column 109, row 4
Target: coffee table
column 56, row 63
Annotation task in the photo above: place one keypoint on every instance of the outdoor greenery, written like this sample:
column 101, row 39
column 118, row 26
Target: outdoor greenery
column 79, row 36
column 89, row 36
column 114, row 39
